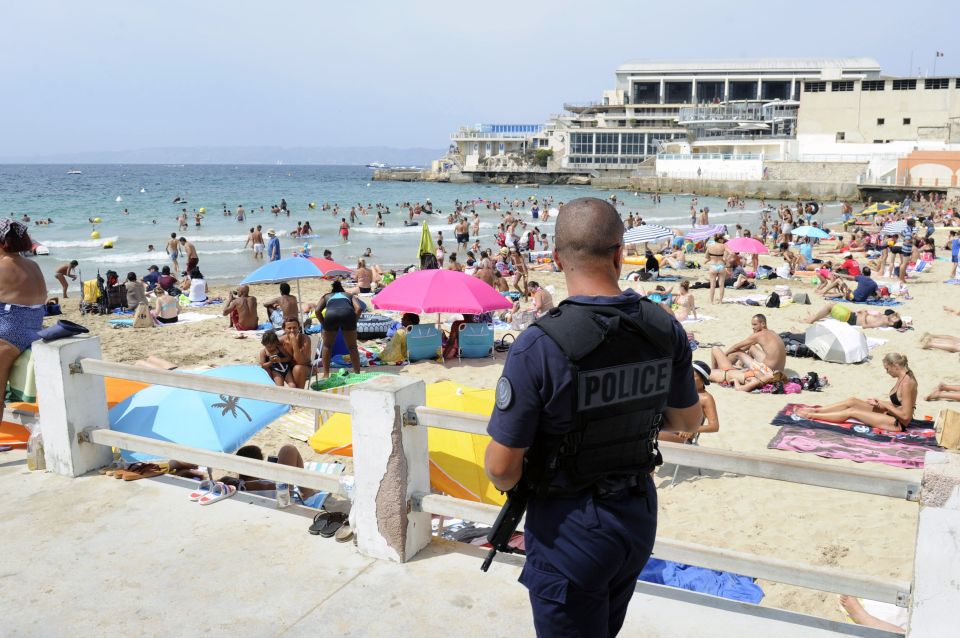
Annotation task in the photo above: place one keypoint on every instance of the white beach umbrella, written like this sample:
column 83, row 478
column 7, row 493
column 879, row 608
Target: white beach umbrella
column 646, row 233
column 893, row 228
column 837, row 341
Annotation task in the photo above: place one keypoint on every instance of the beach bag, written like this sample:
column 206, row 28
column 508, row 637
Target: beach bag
column 773, row 301
column 522, row 320
column 141, row 317
column 783, row 290
column 801, row 298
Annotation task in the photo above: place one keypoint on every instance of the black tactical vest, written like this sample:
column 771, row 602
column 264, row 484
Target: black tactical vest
column 621, row 366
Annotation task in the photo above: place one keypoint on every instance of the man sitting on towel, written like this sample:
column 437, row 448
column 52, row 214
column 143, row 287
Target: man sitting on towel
column 764, row 347
column 242, row 309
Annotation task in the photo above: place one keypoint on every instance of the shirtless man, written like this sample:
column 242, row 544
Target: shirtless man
column 285, row 303
column 296, row 345
column 242, row 309
column 65, row 271
column 485, row 270
column 256, row 238
column 190, row 252
column 173, row 250
column 462, row 233
column 863, row 318
column 764, row 346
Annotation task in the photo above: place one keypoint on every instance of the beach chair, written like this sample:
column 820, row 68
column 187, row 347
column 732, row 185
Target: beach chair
column 475, row 341
column 694, row 441
column 423, row 342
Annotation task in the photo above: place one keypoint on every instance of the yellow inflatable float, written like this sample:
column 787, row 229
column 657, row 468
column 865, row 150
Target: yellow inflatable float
column 107, row 245
column 95, row 235
column 456, row 458
column 202, row 210
column 312, row 205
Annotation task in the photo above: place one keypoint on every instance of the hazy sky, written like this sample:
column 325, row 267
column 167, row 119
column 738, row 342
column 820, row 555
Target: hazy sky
column 123, row 74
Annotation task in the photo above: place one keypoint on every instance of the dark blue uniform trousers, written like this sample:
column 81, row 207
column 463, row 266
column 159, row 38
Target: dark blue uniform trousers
column 583, row 559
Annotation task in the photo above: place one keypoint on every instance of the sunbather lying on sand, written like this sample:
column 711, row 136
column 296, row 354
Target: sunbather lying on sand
column 862, row 318
column 742, row 371
column 893, row 414
column 940, row 342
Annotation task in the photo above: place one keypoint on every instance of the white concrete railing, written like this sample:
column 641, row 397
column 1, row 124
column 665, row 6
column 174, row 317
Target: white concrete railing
column 392, row 499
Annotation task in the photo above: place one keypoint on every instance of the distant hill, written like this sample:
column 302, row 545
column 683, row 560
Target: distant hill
column 358, row 155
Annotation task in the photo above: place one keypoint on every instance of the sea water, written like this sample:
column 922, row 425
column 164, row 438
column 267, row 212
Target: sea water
column 147, row 193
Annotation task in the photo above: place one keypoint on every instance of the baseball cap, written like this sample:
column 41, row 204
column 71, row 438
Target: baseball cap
column 703, row 370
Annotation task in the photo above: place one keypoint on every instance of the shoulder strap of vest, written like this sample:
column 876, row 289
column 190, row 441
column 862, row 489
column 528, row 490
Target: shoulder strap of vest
column 578, row 329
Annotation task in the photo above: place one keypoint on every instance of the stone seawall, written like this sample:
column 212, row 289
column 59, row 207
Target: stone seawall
column 761, row 189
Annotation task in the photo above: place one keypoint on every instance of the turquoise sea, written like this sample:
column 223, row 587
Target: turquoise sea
column 147, row 193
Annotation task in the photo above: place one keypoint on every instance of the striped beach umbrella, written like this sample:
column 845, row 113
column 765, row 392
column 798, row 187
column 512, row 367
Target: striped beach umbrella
column 893, row 228
column 699, row 233
column 646, row 233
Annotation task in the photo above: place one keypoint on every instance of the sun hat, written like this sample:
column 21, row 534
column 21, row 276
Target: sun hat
column 61, row 330
column 703, row 370
column 271, row 232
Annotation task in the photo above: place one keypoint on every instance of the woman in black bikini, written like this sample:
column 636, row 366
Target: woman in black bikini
column 893, row 414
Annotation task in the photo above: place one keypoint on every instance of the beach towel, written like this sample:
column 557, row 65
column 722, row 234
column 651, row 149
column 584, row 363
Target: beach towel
column 918, row 433
column 955, row 282
column 884, row 301
column 834, row 445
column 698, row 319
column 699, row 579
column 23, row 380
column 756, row 299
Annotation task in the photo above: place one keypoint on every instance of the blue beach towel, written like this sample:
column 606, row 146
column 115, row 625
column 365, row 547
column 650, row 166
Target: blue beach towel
column 705, row 581
column 885, row 301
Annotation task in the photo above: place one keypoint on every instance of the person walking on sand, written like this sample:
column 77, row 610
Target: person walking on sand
column 190, row 251
column 173, row 250
column 64, row 271
column 273, row 246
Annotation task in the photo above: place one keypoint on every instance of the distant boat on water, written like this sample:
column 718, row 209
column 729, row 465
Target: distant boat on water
column 74, row 171
column 377, row 165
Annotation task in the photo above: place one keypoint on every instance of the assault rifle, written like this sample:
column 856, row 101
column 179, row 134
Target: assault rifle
column 507, row 521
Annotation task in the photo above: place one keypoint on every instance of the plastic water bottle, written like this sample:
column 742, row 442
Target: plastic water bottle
column 283, row 495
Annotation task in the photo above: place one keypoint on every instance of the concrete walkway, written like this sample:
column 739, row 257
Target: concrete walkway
column 96, row 556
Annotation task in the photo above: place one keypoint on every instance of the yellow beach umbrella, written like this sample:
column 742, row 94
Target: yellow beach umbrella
column 877, row 209
column 456, row 458
column 426, row 242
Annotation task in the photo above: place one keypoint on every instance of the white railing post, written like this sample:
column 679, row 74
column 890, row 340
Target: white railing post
column 68, row 404
column 936, row 587
column 390, row 465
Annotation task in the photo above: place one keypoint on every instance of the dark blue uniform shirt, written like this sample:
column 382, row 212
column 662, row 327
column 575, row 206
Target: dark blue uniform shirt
column 583, row 553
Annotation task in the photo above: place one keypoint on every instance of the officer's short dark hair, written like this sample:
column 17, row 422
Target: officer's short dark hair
column 588, row 228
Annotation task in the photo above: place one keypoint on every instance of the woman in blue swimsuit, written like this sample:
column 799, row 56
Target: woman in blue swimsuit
column 23, row 292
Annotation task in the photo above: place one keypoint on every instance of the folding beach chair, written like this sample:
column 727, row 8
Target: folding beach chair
column 423, row 342
column 694, row 441
column 475, row 341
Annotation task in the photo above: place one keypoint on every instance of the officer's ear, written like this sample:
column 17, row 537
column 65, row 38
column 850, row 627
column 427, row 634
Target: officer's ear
column 618, row 258
column 556, row 260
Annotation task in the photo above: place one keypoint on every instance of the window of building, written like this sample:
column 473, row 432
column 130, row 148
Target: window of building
column 880, row 121
column 936, row 83
column 846, row 85
column 606, row 144
column 906, row 120
column 841, row 136
column 904, row 85
column 873, row 85
column 581, row 143
column 814, row 87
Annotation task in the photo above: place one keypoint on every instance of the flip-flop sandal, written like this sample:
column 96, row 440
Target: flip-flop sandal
column 334, row 523
column 203, row 488
column 344, row 534
column 219, row 492
column 319, row 521
column 133, row 469
column 148, row 470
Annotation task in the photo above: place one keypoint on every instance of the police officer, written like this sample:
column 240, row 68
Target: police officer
column 583, row 393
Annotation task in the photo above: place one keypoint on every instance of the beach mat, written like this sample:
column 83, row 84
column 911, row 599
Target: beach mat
column 918, row 433
column 833, row 445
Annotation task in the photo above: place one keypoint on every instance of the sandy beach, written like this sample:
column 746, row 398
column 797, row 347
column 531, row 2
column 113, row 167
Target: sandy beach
column 855, row 532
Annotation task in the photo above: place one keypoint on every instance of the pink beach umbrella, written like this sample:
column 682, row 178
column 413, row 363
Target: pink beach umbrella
column 440, row 291
column 746, row 245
